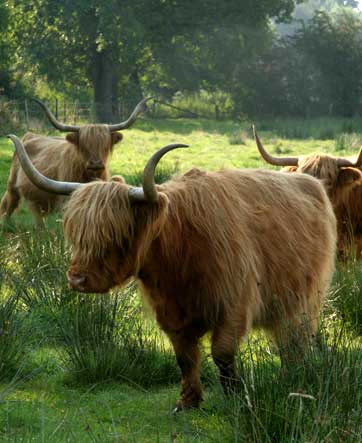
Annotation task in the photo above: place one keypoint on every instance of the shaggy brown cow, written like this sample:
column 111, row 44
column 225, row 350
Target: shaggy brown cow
column 82, row 156
column 342, row 179
column 212, row 251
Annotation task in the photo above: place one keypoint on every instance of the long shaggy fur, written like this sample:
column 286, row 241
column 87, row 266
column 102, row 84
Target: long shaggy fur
column 221, row 252
column 344, row 187
column 59, row 159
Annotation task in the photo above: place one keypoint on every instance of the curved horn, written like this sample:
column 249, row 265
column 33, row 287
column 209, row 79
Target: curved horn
column 148, row 192
column 141, row 107
column 38, row 179
column 54, row 121
column 277, row 161
column 343, row 162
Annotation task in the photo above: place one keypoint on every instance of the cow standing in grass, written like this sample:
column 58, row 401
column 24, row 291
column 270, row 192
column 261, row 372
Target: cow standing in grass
column 218, row 252
column 82, row 156
column 342, row 178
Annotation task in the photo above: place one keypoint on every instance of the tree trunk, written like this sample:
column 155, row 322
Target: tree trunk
column 103, row 74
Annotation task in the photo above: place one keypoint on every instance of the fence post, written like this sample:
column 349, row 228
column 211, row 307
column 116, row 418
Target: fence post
column 75, row 112
column 27, row 115
column 56, row 108
column 65, row 112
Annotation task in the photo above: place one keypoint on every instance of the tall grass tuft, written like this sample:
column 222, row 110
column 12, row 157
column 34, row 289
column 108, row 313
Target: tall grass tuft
column 348, row 141
column 12, row 329
column 318, row 399
column 238, row 137
column 12, row 338
column 162, row 174
column 39, row 264
column 347, row 296
column 106, row 337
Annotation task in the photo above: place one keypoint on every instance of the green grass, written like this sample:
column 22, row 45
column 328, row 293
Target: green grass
column 93, row 368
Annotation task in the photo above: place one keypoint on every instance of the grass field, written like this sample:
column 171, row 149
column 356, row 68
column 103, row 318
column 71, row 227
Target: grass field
column 96, row 369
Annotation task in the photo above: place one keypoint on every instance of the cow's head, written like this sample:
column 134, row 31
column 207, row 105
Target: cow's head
column 94, row 143
column 339, row 175
column 110, row 225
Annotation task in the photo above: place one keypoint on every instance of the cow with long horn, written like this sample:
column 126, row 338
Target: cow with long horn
column 217, row 252
column 82, row 156
column 342, row 178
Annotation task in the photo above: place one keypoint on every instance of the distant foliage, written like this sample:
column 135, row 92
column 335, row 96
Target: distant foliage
column 9, row 120
column 322, row 128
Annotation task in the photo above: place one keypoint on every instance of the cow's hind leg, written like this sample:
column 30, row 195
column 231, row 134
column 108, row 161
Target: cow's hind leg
column 295, row 337
column 224, row 346
column 37, row 213
column 188, row 358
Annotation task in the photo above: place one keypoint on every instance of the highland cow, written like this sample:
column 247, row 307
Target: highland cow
column 342, row 179
column 82, row 156
column 219, row 252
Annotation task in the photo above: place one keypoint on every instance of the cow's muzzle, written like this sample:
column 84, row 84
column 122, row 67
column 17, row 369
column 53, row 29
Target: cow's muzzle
column 95, row 167
column 77, row 281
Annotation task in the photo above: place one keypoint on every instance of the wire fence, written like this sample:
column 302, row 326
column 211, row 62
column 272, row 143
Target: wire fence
column 29, row 114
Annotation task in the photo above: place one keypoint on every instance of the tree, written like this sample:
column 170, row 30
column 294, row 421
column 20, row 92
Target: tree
column 110, row 44
column 333, row 43
column 316, row 71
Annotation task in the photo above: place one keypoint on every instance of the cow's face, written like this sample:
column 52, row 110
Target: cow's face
column 108, row 234
column 94, row 144
column 337, row 181
column 99, row 274
column 98, row 223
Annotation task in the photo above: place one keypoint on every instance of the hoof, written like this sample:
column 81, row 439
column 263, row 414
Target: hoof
column 176, row 409
column 182, row 407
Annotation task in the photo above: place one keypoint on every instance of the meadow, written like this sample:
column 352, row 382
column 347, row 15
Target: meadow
column 88, row 368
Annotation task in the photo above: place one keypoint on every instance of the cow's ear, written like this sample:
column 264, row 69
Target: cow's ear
column 116, row 137
column 118, row 178
column 290, row 169
column 347, row 176
column 72, row 137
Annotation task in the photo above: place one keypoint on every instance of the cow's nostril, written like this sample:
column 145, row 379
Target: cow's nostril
column 96, row 166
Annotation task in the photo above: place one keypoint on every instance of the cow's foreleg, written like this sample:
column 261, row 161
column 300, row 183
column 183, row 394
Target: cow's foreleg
column 188, row 358
column 9, row 203
column 11, row 198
